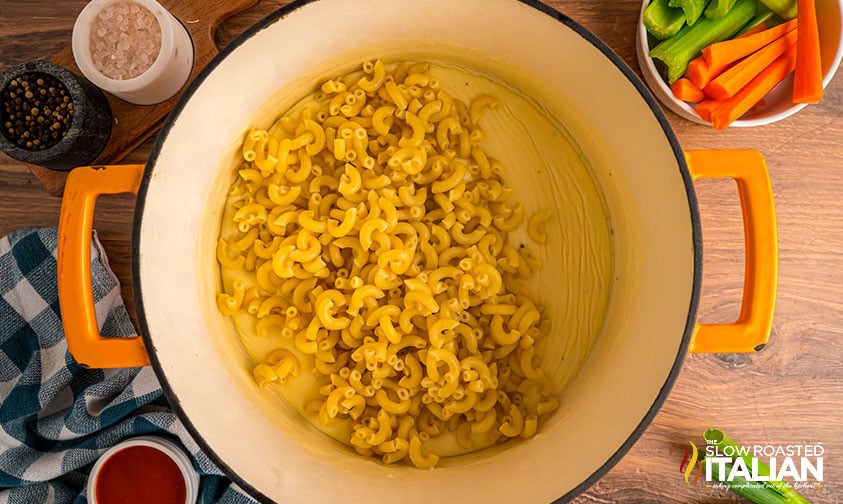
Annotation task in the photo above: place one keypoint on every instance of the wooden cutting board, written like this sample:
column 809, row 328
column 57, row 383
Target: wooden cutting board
column 135, row 123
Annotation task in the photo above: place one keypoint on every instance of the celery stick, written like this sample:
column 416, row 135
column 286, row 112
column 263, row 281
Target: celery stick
column 663, row 21
column 718, row 8
column 693, row 9
column 786, row 9
column 677, row 51
column 755, row 492
column 764, row 15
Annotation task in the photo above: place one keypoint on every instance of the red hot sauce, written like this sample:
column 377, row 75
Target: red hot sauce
column 140, row 475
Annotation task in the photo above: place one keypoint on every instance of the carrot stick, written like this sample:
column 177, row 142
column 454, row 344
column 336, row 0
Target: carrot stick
column 728, row 51
column 701, row 73
column 736, row 106
column 732, row 80
column 760, row 27
column 808, row 79
column 685, row 90
column 705, row 107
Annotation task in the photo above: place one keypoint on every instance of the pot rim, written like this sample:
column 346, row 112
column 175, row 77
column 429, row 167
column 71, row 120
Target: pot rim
column 590, row 37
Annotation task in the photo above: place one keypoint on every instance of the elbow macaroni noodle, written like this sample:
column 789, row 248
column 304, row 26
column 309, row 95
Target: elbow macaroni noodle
column 372, row 228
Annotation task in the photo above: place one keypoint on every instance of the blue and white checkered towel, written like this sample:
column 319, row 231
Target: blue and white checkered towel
column 56, row 417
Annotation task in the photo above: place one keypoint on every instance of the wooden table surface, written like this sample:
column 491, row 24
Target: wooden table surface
column 789, row 393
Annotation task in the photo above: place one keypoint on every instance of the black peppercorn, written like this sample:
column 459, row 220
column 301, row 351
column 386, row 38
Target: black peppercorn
column 51, row 117
column 36, row 111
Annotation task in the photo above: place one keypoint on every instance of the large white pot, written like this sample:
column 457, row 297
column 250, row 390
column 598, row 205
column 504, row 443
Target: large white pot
column 637, row 164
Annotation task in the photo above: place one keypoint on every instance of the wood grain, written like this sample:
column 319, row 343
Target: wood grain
column 133, row 123
column 791, row 392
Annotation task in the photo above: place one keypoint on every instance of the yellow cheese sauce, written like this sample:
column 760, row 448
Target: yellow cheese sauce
column 546, row 170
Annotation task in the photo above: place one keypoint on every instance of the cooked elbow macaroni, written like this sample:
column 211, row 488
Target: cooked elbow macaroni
column 368, row 241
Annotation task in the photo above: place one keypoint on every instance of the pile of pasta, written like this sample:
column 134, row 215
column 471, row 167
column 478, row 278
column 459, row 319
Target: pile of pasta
column 373, row 229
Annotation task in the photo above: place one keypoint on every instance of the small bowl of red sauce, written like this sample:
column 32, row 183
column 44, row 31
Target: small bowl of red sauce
column 143, row 470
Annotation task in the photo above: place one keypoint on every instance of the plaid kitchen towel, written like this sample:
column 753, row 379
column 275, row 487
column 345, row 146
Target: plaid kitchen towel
column 56, row 417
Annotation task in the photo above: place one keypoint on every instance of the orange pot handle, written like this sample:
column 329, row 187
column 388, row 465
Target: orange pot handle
column 76, row 296
column 751, row 331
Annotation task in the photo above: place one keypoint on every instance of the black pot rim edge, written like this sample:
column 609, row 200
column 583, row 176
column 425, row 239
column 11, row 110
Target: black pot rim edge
column 646, row 95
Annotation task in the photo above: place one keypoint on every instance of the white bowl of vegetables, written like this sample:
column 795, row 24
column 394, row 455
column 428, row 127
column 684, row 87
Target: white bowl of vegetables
column 734, row 63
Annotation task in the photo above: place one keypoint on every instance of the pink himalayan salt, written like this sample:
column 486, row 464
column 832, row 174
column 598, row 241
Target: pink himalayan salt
column 125, row 40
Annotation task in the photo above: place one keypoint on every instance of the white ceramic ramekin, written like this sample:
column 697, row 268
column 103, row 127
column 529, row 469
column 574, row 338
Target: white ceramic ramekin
column 162, row 80
column 191, row 477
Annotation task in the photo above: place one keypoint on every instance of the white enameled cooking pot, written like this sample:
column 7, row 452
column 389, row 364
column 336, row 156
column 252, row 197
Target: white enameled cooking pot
column 644, row 179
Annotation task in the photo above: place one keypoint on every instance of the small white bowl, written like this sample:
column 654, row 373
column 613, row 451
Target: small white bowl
column 176, row 454
column 777, row 105
column 159, row 82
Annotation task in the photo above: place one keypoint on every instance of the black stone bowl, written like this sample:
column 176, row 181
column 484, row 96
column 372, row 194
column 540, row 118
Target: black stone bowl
column 89, row 129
